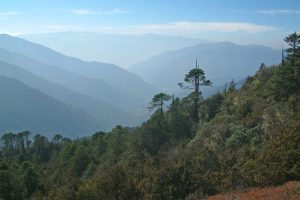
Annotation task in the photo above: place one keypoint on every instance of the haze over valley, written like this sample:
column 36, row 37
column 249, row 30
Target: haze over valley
column 149, row 100
column 112, row 95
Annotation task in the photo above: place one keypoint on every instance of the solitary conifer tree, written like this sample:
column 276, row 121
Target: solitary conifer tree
column 193, row 80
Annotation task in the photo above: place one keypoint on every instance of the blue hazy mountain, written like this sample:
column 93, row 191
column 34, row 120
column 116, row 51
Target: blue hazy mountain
column 107, row 94
column 221, row 62
column 107, row 115
column 24, row 108
column 95, row 88
column 123, row 50
column 107, row 81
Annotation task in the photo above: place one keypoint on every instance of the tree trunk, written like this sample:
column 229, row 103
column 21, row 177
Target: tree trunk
column 196, row 101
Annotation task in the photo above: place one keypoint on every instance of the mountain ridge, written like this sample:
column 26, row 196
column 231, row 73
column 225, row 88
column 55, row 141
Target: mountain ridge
column 25, row 108
column 230, row 60
column 112, row 48
column 93, row 106
column 108, row 72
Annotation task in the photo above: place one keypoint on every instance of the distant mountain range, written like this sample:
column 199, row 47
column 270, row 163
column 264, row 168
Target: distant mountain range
column 23, row 108
column 46, row 92
column 107, row 93
column 93, row 87
column 221, row 63
column 106, row 114
column 123, row 50
column 107, row 75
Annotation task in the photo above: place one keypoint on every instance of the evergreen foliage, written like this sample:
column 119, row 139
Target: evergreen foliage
column 194, row 79
column 245, row 138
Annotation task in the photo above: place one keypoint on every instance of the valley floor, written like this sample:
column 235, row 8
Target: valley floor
column 287, row 191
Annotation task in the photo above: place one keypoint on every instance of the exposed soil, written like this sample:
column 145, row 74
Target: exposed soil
column 288, row 191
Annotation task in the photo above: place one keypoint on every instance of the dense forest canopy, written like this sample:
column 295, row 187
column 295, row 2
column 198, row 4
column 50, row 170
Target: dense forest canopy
column 243, row 138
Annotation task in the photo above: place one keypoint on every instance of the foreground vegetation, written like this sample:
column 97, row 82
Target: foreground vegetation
column 241, row 138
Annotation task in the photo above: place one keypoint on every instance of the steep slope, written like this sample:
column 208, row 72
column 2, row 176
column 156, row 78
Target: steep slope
column 245, row 138
column 220, row 61
column 92, row 87
column 128, row 83
column 106, row 114
column 24, row 108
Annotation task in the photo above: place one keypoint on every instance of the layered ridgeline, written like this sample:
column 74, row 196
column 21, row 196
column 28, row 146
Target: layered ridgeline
column 130, row 84
column 25, row 108
column 104, row 113
column 222, row 62
column 244, row 138
column 108, row 93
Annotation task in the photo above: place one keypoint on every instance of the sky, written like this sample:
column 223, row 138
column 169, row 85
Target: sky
column 242, row 21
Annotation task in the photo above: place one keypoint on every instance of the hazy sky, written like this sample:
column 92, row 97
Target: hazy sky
column 248, row 21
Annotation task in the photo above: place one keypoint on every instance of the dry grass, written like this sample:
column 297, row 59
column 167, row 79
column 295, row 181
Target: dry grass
column 288, row 191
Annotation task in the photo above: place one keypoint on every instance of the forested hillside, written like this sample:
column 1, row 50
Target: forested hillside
column 238, row 138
